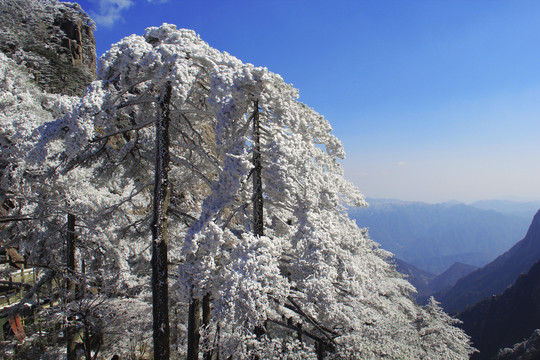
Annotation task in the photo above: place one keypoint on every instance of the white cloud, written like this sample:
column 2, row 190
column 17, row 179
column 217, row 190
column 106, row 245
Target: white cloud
column 402, row 163
column 110, row 11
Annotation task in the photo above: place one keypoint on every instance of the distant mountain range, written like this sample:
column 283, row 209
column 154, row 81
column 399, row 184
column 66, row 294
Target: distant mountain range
column 433, row 237
column 524, row 209
column 427, row 283
column 496, row 276
column 499, row 303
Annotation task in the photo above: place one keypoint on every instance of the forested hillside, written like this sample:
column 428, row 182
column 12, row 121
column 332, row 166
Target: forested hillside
column 190, row 204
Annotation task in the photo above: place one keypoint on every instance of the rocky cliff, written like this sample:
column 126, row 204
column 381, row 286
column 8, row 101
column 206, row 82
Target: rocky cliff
column 54, row 40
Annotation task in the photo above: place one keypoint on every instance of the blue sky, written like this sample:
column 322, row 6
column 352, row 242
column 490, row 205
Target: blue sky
column 434, row 100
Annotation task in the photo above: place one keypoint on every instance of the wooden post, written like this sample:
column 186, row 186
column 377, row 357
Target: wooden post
column 160, row 273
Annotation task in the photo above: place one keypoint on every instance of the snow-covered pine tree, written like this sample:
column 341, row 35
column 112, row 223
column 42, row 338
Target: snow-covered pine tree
column 36, row 200
column 438, row 335
column 24, row 108
column 314, row 284
column 33, row 213
column 112, row 162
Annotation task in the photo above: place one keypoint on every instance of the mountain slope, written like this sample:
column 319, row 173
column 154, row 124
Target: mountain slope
column 449, row 278
column 493, row 278
column 427, row 283
column 420, row 279
column 528, row 349
column 506, row 319
column 432, row 237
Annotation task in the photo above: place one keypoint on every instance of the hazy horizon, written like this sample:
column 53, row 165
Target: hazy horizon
column 515, row 202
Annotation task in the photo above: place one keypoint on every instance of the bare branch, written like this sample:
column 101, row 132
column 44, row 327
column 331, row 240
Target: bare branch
column 129, row 88
column 179, row 160
column 5, row 219
column 299, row 329
column 121, row 131
column 136, row 102
column 310, row 319
column 15, row 309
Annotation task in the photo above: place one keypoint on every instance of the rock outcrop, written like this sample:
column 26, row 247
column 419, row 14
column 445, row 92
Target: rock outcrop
column 54, row 40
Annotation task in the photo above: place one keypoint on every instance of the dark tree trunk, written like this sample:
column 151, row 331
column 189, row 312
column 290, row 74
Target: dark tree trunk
column 70, row 252
column 87, row 349
column 206, row 316
column 206, row 311
column 319, row 348
column 258, row 224
column 258, row 206
column 194, row 324
column 160, row 283
column 70, row 283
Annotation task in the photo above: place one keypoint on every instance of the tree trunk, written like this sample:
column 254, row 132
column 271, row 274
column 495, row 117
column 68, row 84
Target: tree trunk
column 258, row 223
column 258, row 206
column 70, row 254
column 71, row 333
column 206, row 316
column 87, row 349
column 319, row 348
column 160, row 283
column 194, row 324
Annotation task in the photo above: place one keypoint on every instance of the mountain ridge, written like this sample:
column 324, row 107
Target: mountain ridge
column 496, row 276
column 427, row 283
